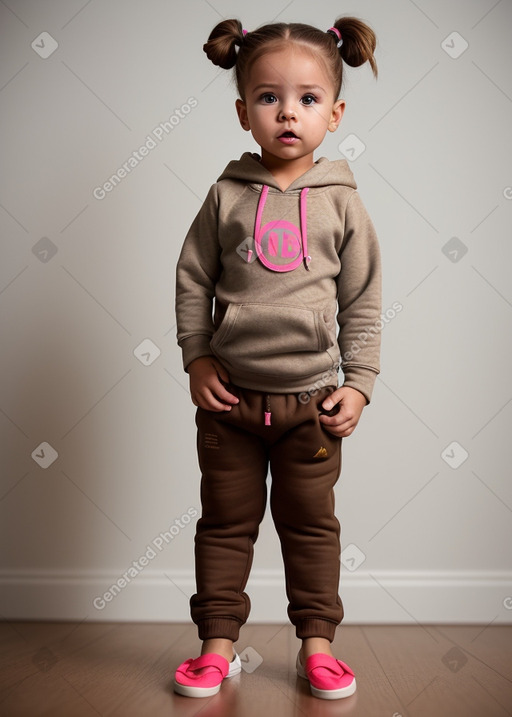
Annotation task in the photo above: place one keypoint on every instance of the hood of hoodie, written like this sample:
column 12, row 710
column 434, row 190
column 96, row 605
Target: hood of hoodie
column 323, row 173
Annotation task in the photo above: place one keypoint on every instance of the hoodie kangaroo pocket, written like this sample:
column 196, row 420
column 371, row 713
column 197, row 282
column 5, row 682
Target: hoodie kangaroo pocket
column 272, row 339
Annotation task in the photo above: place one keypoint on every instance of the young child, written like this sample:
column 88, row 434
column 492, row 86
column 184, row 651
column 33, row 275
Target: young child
column 281, row 247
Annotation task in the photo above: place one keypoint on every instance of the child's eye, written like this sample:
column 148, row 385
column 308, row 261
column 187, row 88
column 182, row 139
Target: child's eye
column 308, row 100
column 268, row 98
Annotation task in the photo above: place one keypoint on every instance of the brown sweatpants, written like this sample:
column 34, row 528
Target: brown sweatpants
column 235, row 450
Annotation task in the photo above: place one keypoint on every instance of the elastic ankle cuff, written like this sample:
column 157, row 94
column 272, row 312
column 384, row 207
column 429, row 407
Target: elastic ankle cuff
column 315, row 627
column 213, row 627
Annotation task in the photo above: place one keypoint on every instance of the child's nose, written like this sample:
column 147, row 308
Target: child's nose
column 287, row 113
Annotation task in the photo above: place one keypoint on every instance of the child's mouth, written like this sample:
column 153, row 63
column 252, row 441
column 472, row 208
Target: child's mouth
column 288, row 137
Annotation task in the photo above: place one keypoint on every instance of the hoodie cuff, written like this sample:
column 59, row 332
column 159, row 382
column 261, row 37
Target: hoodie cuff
column 194, row 347
column 360, row 378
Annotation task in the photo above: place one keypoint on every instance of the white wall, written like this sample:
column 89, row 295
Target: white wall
column 435, row 539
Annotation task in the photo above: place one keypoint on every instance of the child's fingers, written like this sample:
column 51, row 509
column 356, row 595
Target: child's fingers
column 342, row 424
column 344, row 421
column 214, row 397
column 223, row 394
column 221, row 371
column 339, row 433
column 340, row 421
column 334, row 398
column 342, row 430
column 217, row 384
column 207, row 400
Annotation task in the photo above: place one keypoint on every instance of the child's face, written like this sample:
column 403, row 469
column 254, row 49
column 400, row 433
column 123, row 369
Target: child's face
column 289, row 105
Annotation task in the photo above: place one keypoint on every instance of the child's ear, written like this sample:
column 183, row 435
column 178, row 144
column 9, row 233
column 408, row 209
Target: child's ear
column 337, row 113
column 241, row 111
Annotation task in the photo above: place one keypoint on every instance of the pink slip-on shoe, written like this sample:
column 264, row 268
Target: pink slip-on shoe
column 203, row 676
column 329, row 679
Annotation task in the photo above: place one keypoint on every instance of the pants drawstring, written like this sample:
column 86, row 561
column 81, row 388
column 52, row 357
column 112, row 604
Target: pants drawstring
column 268, row 414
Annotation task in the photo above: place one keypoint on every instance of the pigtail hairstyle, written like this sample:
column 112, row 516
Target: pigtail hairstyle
column 229, row 45
column 224, row 42
column 358, row 44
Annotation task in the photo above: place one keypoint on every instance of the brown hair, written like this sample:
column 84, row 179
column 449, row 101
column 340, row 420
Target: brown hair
column 228, row 47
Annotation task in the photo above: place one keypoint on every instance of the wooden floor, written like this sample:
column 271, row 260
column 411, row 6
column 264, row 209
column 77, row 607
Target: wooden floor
column 126, row 670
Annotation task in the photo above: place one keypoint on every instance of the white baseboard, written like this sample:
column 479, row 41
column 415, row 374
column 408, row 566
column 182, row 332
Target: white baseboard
column 378, row 597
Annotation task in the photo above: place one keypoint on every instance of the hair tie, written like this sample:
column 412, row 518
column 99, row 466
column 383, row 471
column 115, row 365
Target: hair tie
column 337, row 34
column 238, row 43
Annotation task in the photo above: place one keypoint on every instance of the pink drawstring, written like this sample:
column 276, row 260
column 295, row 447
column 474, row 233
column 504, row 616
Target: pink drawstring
column 303, row 226
column 259, row 212
column 268, row 414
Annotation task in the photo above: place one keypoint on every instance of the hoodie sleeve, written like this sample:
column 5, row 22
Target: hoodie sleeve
column 197, row 273
column 359, row 300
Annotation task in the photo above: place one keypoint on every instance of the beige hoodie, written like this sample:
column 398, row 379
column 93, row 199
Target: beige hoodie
column 264, row 274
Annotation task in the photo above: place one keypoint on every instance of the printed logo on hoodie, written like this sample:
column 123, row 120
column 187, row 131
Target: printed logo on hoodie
column 278, row 246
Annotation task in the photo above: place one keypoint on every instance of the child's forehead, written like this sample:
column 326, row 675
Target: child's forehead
column 291, row 61
column 287, row 51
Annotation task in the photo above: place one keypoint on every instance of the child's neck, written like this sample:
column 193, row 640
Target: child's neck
column 286, row 171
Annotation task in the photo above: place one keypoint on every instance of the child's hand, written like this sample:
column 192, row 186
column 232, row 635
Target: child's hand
column 206, row 387
column 351, row 403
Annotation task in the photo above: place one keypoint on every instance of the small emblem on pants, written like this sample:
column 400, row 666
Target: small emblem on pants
column 321, row 453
